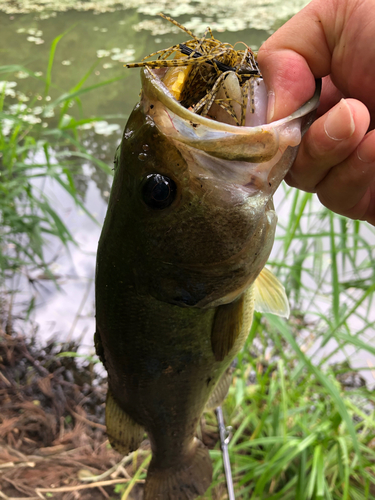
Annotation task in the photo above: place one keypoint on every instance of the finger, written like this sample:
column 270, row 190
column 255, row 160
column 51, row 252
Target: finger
column 328, row 142
column 298, row 52
column 329, row 97
column 289, row 82
column 349, row 187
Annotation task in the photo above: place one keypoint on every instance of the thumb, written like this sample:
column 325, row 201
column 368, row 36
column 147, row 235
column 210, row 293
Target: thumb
column 289, row 80
column 293, row 57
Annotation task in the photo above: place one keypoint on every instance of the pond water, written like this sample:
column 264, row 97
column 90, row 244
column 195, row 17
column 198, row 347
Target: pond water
column 100, row 37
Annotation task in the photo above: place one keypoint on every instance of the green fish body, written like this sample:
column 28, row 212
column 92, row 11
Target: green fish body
column 180, row 268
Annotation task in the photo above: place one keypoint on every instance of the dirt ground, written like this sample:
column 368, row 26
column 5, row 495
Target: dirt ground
column 53, row 442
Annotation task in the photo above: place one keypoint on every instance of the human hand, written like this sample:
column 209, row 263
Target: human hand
column 333, row 40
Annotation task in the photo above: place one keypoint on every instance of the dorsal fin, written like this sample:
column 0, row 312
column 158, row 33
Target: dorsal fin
column 269, row 295
column 226, row 327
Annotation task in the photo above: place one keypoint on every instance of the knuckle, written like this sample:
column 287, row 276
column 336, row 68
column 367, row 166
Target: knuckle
column 301, row 178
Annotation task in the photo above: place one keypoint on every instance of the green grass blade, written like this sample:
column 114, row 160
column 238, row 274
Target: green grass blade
column 345, row 461
column 323, row 379
column 52, row 52
column 334, row 274
column 135, row 478
column 68, row 96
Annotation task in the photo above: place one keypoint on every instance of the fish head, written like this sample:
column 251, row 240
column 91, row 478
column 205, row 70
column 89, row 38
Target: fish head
column 192, row 196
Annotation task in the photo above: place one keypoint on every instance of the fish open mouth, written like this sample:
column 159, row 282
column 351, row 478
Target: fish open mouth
column 215, row 133
column 216, row 90
column 211, row 96
column 211, row 101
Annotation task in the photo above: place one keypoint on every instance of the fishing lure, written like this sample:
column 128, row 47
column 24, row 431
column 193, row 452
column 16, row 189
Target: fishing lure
column 198, row 74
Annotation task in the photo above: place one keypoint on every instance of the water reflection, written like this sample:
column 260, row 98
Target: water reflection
column 103, row 148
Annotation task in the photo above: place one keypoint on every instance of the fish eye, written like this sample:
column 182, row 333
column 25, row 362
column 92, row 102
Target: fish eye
column 158, row 191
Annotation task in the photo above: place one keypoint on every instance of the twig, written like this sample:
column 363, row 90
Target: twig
column 3, row 495
column 104, row 493
column 87, row 421
column 12, row 465
column 80, row 309
column 40, row 491
column 119, row 471
column 62, row 428
column 105, row 474
column 34, row 362
column 124, row 461
column 53, row 450
column 21, row 456
column 5, row 380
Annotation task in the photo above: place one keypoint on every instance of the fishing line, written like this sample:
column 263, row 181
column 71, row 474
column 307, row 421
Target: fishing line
column 225, row 437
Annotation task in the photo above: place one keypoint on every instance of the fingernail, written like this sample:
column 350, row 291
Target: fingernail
column 270, row 106
column 339, row 124
column 366, row 150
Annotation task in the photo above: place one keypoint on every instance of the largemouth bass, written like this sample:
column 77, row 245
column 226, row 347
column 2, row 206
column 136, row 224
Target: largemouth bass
column 180, row 266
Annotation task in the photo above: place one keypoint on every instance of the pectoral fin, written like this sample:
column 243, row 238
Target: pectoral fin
column 124, row 434
column 226, row 327
column 269, row 295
